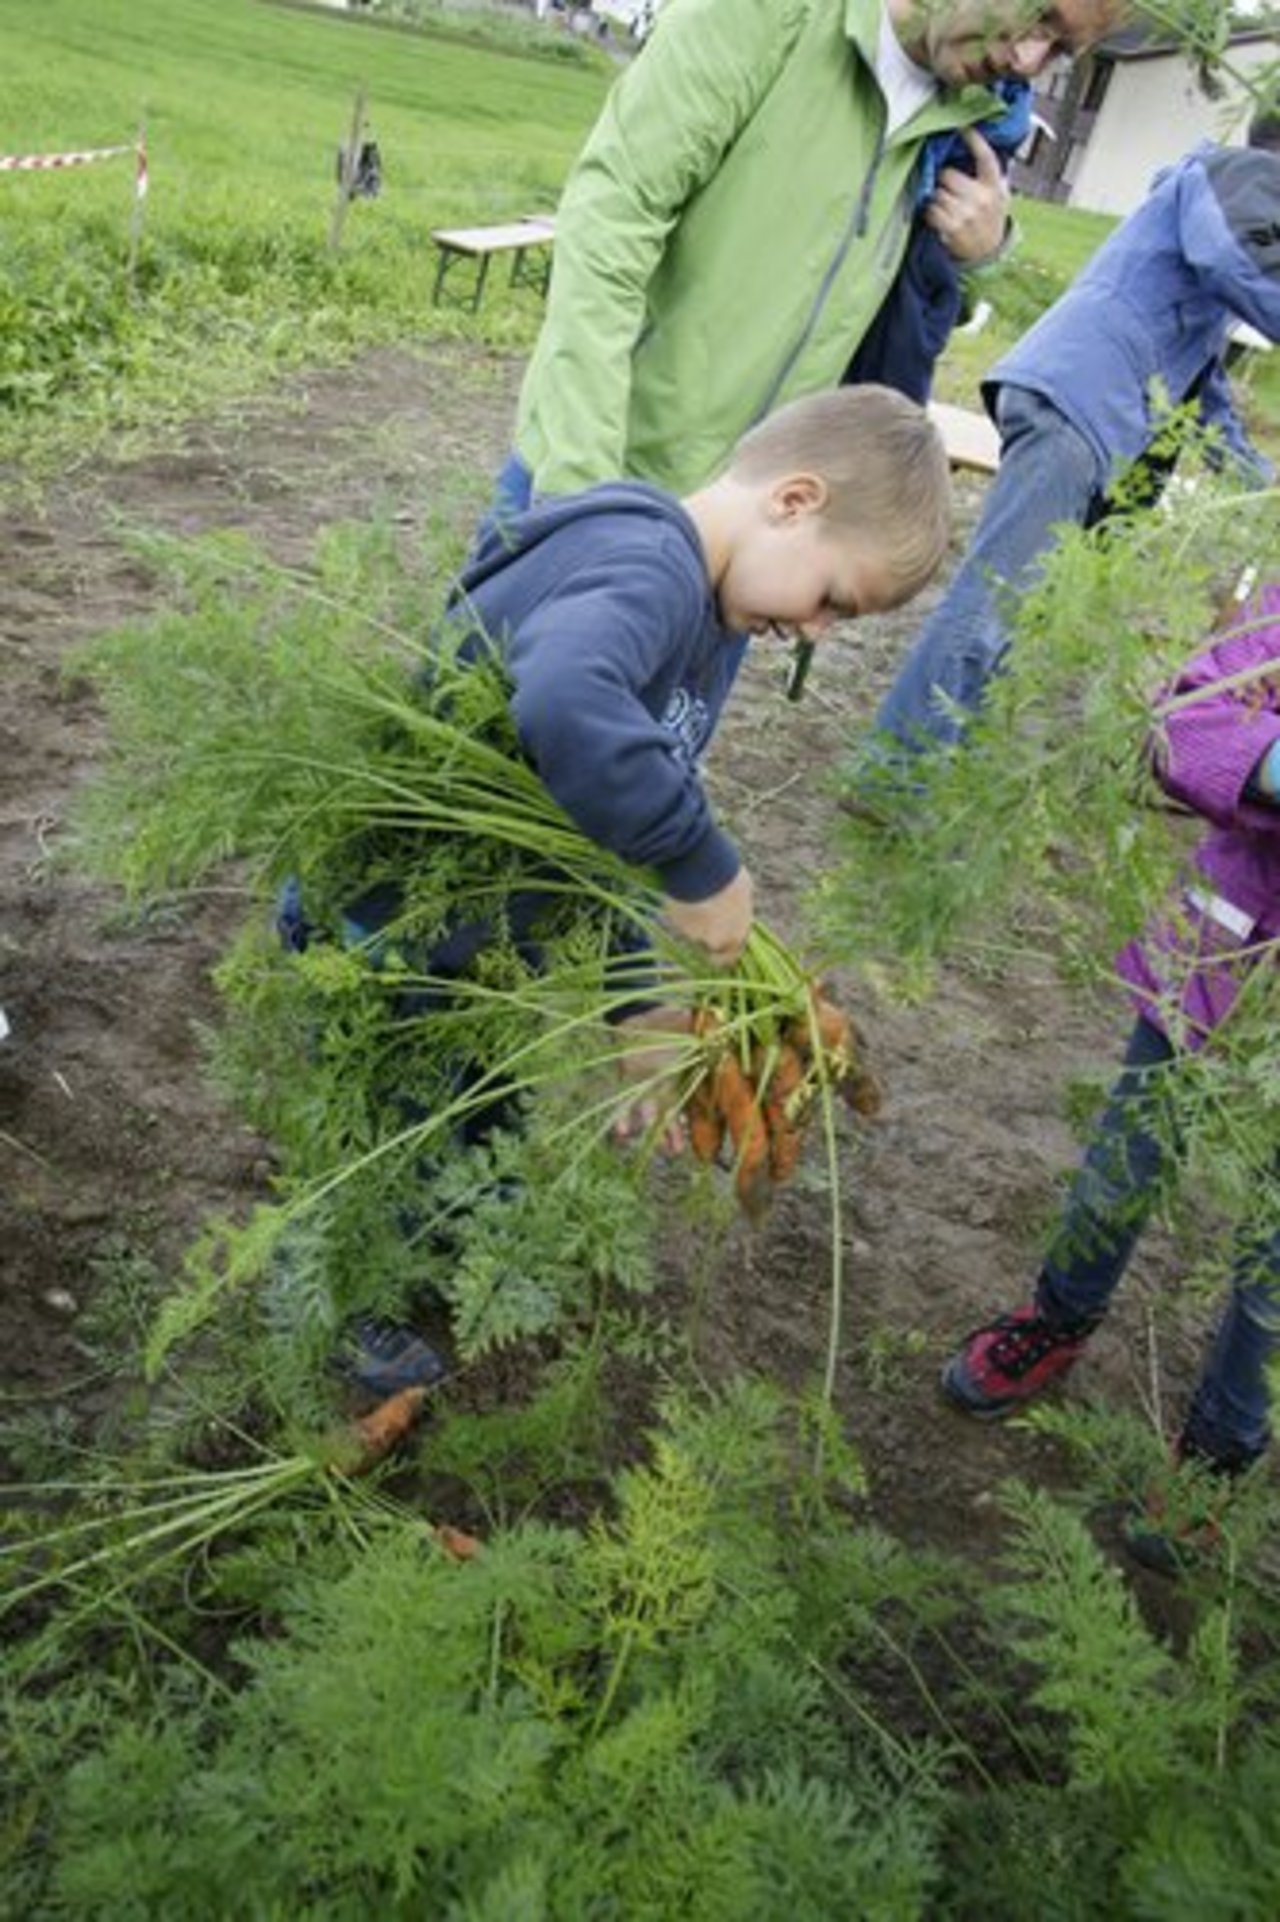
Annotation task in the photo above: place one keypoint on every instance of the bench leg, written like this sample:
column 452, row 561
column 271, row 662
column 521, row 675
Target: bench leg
column 531, row 270
column 446, row 255
column 481, row 277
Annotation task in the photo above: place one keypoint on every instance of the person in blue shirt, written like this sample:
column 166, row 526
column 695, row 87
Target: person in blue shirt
column 621, row 616
column 1084, row 394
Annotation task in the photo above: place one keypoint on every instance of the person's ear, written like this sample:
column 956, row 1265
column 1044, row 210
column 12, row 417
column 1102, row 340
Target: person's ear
column 797, row 495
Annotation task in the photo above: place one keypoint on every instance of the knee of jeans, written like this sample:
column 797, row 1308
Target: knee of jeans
column 1113, row 1189
column 1260, row 1307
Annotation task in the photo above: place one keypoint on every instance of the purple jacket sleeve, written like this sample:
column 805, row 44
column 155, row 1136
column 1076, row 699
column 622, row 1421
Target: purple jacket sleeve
column 1206, row 750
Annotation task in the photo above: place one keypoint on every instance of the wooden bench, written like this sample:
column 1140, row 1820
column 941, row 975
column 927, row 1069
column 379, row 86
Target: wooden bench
column 524, row 239
column 1243, row 340
column 970, row 439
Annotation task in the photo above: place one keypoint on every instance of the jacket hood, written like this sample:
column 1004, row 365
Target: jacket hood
column 1246, row 185
column 506, row 538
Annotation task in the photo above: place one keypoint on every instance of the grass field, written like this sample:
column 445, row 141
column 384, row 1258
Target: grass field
column 244, row 105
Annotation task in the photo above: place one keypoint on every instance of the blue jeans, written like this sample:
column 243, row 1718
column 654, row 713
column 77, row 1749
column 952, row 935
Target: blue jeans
column 1117, row 1186
column 1048, row 474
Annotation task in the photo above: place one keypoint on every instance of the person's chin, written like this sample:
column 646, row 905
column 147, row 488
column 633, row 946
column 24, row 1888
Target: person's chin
column 968, row 73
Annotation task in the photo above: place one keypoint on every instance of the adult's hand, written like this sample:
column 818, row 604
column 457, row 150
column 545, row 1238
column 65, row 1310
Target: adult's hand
column 969, row 212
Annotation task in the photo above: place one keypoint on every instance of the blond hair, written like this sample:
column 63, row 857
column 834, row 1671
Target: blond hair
column 884, row 464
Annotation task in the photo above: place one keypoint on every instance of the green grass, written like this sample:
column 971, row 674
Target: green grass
column 245, row 105
column 1053, row 244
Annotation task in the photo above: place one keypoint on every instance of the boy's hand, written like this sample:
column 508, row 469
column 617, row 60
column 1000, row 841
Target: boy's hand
column 720, row 924
column 642, row 1058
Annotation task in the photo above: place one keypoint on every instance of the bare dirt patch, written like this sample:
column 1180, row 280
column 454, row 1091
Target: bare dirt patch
column 112, row 1144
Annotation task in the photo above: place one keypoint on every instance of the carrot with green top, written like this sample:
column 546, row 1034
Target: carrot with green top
column 782, row 1104
column 736, row 1099
column 385, row 1427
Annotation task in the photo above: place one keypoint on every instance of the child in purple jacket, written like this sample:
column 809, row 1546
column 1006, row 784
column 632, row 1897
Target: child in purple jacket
column 1220, row 755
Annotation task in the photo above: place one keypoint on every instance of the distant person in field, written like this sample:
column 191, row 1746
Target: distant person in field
column 1084, row 394
column 740, row 212
column 1220, row 755
column 621, row 615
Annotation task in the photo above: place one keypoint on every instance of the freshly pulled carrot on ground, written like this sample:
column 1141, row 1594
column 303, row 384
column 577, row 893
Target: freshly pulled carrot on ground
column 385, row 1427
column 456, row 1543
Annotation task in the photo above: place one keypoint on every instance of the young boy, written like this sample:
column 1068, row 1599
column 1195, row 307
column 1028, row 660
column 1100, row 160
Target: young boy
column 621, row 616
column 1219, row 753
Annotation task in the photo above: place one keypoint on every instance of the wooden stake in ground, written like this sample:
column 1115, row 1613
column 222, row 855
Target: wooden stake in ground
column 140, row 185
column 349, row 161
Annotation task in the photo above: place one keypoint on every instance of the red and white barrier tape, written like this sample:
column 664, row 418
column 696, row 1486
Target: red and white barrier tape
column 15, row 163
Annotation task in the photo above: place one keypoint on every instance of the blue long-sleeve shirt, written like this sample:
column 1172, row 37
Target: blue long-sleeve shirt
column 1149, row 315
column 601, row 607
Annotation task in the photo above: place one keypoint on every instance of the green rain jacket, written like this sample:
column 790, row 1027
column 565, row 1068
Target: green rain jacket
column 729, row 230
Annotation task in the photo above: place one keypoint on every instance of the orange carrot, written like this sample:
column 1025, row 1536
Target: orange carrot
column 835, row 1031
column 705, row 1121
column 862, row 1092
column 843, row 1046
column 779, row 1106
column 737, row 1102
column 456, row 1543
column 386, row 1426
column 842, row 1036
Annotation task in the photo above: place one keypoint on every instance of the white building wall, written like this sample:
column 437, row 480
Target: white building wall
column 1152, row 113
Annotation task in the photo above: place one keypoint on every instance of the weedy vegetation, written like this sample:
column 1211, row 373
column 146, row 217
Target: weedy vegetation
column 244, row 106
column 601, row 1639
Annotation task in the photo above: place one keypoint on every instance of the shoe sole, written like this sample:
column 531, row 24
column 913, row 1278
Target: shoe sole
column 980, row 1411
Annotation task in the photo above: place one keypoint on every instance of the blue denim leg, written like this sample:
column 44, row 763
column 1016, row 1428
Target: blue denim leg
column 1229, row 1421
column 1114, row 1190
column 1048, row 474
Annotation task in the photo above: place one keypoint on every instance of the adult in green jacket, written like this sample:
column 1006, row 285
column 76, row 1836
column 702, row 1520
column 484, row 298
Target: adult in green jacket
column 740, row 211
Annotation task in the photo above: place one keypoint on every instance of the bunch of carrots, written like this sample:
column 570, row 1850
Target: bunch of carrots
column 757, row 1081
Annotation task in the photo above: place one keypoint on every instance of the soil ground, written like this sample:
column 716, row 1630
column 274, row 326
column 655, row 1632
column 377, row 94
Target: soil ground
column 113, row 1148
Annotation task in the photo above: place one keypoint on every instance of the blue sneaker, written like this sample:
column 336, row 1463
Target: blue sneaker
column 1181, row 1524
column 383, row 1357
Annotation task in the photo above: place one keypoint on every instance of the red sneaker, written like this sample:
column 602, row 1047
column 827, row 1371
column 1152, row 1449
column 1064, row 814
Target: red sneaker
column 1011, row 1360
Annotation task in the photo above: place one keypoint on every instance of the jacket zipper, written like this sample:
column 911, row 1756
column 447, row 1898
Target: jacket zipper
column 854, row 230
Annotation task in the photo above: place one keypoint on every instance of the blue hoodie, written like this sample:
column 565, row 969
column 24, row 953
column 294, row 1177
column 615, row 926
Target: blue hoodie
column 601, row 608
column 1151, row 310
